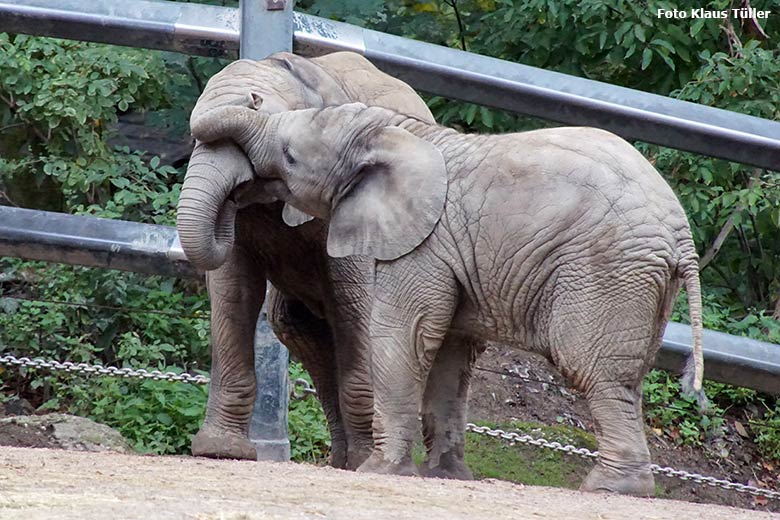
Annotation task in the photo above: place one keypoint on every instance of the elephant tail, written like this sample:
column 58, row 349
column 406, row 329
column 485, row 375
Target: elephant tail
column 693, row 374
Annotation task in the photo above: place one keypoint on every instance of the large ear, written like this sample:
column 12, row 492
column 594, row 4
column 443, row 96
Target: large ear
column 396, row 200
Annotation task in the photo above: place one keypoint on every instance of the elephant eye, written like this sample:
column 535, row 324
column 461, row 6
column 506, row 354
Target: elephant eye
column 287, row 157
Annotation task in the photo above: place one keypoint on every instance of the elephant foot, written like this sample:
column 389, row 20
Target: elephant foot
column 221, row 444
column 376, row 463
column 338, row 454
column 636, row 479
column 448, row 466
column 358, row 452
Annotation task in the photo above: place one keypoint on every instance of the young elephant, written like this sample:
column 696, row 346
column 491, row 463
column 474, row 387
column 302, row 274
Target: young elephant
column 565, row 242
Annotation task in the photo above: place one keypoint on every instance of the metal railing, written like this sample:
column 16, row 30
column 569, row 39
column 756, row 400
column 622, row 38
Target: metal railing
column 213, row 31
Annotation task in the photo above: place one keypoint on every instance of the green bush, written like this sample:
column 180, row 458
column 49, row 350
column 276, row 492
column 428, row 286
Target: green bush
column 308, row 431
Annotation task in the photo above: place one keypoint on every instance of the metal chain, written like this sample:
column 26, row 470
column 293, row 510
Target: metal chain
column 305, row 389
column 655, row 468
column 528, row 439
column 101, row 370
column 299, row 388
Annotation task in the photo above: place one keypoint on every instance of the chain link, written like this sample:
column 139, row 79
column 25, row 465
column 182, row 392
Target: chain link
column 528, row 439
column 305, row 389
column 655, row 468
column 100, row 370
column 299, row 388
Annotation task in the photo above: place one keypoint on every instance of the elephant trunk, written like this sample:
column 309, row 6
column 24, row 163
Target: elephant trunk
column 206, row 213
column 247, row 127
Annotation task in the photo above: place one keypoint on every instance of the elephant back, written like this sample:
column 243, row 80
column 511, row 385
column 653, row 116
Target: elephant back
column 365, row 83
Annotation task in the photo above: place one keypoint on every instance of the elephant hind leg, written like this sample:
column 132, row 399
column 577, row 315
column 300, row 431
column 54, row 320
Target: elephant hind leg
column 624, row 460
column 310, row 341
column 606, row 351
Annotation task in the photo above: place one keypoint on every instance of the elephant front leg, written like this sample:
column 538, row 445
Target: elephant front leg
column 410, row 317
column 445, row 404
column 352, row 281
column 236, row 291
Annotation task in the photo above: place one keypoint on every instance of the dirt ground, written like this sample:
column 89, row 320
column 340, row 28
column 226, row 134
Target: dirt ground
column 45, row 484
column 53, row 483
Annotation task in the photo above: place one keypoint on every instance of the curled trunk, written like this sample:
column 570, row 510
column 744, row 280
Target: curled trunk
column 246, row 127
column 206, row 212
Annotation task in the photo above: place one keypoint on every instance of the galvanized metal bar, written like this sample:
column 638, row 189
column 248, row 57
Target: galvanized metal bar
column 94, row 242
column 268, row 424
column 448, row 72
column 728, row 359
column 173, row 26
column 266, row 28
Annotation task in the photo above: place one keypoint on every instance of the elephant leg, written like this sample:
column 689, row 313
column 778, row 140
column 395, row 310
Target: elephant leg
column 624, row 460
column 611, row 345
column 350, row 314
column 445, row 403
column 310, row 341
column 236, row 291
column 411, row 314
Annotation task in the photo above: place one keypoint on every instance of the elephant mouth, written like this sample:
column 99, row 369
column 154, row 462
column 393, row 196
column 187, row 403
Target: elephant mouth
column 260, row 190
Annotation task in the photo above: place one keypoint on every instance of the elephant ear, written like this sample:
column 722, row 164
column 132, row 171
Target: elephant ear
column 395, row 201
column 293, row 217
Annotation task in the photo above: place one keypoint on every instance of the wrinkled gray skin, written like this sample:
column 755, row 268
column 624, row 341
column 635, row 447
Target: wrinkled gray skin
column 319, row 307
column 564, row 242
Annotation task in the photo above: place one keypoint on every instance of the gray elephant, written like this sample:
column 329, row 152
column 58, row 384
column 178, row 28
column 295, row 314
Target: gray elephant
column 563, row 241
column 318, row 306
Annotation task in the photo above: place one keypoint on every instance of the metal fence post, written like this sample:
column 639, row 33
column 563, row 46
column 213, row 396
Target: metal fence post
column 267, row 27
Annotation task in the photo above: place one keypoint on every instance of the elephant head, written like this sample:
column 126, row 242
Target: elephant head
column 382, row 188
column 219, row 178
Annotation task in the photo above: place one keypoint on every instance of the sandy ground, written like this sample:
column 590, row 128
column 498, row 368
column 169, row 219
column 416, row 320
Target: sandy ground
column 46, row 484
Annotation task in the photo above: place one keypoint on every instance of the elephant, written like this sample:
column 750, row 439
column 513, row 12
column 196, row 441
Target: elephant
column 318, row 306
column 564, row 241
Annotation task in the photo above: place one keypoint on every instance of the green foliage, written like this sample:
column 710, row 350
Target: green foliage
column 677, row 415
column 58, row 101
column 155, row 416
column 308, row 432
column 767, row 431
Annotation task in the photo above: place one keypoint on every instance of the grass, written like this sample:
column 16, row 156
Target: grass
column 488, row 457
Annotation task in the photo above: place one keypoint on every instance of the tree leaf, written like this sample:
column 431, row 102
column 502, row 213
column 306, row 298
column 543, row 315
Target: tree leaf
column 647, row 57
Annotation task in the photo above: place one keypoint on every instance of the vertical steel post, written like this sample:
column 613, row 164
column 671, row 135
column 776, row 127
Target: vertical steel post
column 267, row 27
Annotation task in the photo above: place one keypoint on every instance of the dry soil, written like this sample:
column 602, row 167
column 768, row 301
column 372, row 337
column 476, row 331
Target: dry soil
column 45, row 483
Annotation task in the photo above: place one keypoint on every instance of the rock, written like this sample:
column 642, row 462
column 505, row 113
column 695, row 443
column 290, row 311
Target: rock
column 71, row 432
column 17, row 406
